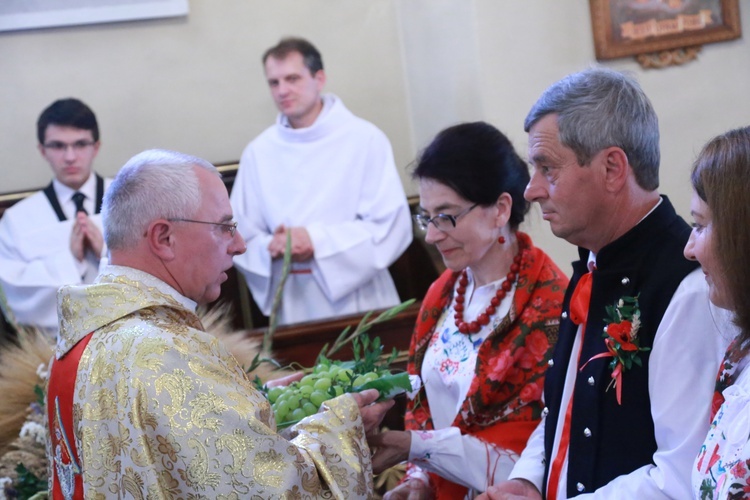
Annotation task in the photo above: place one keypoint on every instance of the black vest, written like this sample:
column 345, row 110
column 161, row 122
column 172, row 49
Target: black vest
column 49, row 192
column 608, row 440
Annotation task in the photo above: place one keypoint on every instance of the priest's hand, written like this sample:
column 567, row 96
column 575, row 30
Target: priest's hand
column 514, row 489
column 372, row 414
column 411, row 489
column 391, row 448
column 302, row 246
column 278, row 242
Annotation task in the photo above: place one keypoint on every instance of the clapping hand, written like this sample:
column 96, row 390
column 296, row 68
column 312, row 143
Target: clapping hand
column 85, row 234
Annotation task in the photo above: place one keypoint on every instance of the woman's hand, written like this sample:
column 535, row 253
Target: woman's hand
column 513, row 489
column 411, row 489
column 390, row 448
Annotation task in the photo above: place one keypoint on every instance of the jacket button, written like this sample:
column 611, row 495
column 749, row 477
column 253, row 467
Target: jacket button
column 545, row 411
column 587, row 432
column 591, row 381
column 580, row 487
column 551, row 363
column 565, row 315
column 625, row 281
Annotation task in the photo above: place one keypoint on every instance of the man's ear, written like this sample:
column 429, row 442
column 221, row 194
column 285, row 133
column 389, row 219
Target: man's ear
column 161, row 239
column 617, row 169
column 320, row 77
column 97, row 145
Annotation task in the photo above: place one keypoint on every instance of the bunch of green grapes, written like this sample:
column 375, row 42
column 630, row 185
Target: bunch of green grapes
column 300, row 399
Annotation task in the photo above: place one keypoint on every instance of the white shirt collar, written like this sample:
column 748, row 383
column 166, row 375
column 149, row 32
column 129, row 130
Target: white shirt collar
column 65, row 195
column 328, row 100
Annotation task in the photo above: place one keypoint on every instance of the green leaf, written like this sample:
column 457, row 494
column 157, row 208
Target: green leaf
column 257, row 361
column 388, row 385
column 27, row 483
column 392, row 357
column 612, row 314
column 40, row 395
column 364, row 325
column 273, row 319
column 258, row 384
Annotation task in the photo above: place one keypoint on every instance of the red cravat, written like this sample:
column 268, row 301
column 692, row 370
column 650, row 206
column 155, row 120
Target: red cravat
column 579, row 309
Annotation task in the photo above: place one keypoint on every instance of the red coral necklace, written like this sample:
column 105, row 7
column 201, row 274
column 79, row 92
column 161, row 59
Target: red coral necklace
column 483, row 318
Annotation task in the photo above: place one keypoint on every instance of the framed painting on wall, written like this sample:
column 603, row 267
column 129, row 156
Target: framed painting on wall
column 33, row 14
column 631, row 27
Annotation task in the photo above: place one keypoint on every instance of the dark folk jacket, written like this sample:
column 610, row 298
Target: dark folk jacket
column 608, row 439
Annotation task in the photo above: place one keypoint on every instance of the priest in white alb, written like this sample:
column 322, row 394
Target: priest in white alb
column 328, row 178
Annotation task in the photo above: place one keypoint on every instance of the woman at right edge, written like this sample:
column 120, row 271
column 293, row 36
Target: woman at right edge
column 486, row 327
column 720, row 242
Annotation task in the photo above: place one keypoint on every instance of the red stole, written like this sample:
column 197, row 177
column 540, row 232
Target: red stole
column 66, row 463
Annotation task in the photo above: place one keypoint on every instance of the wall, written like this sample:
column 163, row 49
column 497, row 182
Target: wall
column 528, row 45
column 502, row 59
column 410, row 66
column 193, row 84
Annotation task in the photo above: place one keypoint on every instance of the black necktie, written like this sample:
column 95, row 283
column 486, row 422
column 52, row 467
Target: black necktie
column 78, row 198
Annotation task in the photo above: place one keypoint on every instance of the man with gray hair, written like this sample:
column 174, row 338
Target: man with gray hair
column 142, row 401
column 629, row 387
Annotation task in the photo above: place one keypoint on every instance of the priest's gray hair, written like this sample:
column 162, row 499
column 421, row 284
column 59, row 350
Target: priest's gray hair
column 600, row 108
column 154, row 184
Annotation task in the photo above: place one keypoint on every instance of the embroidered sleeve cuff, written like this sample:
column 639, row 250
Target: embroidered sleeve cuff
column 426, row 444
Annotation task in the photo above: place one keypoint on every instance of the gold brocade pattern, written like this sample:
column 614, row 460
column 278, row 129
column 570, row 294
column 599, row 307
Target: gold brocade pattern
column 163, row 410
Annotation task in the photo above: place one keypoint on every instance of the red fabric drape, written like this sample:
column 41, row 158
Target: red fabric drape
column 60, row 391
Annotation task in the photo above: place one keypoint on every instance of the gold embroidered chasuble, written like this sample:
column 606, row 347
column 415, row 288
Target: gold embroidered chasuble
column 163, row 410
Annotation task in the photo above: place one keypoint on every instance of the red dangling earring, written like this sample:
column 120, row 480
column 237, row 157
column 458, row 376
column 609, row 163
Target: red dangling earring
column 501, row 240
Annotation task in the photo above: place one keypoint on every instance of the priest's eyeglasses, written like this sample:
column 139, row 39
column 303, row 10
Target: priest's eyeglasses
column 227, row 227
column 62, row 147
column 443, row 222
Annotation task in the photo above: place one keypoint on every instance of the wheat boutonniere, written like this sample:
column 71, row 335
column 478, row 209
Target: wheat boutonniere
column 621, row 339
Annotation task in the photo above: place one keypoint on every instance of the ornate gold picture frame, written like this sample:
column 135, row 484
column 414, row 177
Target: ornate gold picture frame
column 631, row 27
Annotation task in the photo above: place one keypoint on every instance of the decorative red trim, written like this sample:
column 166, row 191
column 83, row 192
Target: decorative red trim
column 60, row 393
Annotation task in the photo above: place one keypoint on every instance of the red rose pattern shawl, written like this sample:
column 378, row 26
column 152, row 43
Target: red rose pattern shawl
column 503, row 404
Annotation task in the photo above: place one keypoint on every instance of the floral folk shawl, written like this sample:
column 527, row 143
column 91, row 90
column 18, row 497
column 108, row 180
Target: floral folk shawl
column 504, row 402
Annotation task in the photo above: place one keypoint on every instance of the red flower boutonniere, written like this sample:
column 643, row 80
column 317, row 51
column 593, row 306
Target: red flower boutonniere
column 621, row 338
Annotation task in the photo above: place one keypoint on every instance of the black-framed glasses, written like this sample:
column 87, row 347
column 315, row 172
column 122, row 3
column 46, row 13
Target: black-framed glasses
column 443, row 222
column 61, row 147
column 227, row 227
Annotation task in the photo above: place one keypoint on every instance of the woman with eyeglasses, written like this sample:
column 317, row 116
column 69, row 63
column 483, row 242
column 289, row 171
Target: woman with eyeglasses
column 486, row 329
column 720, row 242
